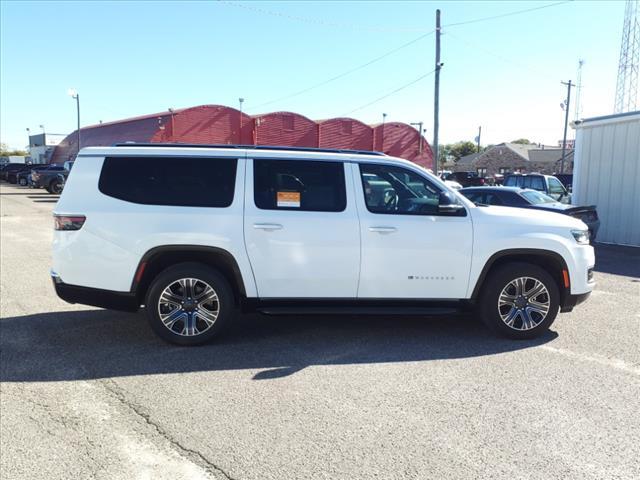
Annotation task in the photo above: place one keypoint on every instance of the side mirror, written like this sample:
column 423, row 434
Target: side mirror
column 448, row 204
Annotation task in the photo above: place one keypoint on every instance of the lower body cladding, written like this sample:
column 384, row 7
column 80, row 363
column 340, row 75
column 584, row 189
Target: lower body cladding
column 130, row 302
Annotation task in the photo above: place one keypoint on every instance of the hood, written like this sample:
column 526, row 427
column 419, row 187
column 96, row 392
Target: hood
column 526, row 216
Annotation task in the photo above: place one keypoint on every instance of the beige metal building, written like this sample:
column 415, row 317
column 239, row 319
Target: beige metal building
column 607, row 174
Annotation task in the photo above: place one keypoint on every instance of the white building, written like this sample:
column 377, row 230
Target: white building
column 607, row 174
column 41, row 146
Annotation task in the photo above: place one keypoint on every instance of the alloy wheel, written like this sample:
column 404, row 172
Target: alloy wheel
column 524, row 303
column 188, row 307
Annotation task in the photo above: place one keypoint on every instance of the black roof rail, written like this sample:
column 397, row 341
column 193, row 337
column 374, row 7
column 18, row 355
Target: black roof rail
column 252, row 147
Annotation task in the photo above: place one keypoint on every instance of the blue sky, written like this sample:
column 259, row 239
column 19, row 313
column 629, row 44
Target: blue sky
column 134, row 58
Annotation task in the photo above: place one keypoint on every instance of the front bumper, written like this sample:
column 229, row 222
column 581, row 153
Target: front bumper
column 571, row 301
column 96, row 297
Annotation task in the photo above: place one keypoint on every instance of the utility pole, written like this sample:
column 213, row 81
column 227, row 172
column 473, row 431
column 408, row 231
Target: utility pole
column 578, row 89
column 73, row 93
column 566, row 122
column 419, row 125
column 478, row 138
column 436, row 94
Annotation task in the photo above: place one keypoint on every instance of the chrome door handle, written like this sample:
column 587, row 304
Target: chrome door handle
column 267, row 226
column 383, row 229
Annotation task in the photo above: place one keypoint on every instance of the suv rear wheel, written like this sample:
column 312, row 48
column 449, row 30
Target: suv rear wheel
column 189, row 303
column 520, row 301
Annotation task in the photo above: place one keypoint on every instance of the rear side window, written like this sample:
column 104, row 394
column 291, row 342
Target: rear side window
column 493, row 199
column 518, row 181
column 173, row 181
column 537, row 183
column 299, row 185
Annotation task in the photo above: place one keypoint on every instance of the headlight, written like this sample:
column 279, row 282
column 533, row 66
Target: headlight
column 581, row 236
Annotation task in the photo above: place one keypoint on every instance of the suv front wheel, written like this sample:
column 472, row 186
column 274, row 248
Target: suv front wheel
column 189, row 303
column 520, row 301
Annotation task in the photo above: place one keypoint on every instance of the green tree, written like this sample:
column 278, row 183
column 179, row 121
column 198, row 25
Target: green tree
column 461, row 149
column 443, row 155
column 522, row 141
column 6, row 152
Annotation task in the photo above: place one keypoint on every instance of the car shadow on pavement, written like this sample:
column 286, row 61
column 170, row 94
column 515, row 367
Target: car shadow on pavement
column 618, row 260
column 92, row 344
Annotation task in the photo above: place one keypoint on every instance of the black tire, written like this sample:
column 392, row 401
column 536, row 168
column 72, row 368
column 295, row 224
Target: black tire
column 55, row 187
column 22, row 182
column 498, row 280
column 178, row 334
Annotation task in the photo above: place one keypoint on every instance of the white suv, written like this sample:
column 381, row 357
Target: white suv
column 196, row 233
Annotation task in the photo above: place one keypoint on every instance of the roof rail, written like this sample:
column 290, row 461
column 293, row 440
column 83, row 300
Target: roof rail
column 252, row 147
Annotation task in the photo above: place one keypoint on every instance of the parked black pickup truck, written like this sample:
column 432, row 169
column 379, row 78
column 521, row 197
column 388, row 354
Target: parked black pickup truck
column 52, row 179
column 466, row 179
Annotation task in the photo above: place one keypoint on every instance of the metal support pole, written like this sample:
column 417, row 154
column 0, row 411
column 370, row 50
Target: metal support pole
column 478, row 138
column 436, row 95
column 78, row 111
column 566, row 123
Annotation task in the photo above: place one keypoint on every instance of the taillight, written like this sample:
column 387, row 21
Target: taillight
column 69, row 222
column 482, row 181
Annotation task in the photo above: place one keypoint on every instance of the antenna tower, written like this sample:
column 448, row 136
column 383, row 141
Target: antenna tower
column 629, row 63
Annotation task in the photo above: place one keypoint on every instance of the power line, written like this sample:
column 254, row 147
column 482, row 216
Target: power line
column 344, row 74
column 321, row 22
column 406, row 85
column 493, row 54
column 518, row 12
column 391, row 52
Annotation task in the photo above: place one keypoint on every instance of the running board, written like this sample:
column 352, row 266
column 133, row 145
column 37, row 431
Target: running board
column 354, row 310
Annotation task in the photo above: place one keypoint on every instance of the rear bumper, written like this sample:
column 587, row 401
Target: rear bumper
column 96, row 297
column 571, row 301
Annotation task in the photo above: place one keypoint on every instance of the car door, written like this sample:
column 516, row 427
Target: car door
column 556, row 189
column 301, row 228
column 409, row 249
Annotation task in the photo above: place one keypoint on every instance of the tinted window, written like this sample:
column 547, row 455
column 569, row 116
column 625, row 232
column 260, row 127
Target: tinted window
column 299, row 185
column 512, row 199
column 493, row 199
column 514, row 181
column 537, row 183
column 474, row 196
column 395, row 190
column 178, row 181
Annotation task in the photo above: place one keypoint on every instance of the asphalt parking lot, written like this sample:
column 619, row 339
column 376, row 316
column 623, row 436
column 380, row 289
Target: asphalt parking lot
column 89, row 393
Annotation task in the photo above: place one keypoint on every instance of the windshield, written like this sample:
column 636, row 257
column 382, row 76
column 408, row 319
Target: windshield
column 537, row 198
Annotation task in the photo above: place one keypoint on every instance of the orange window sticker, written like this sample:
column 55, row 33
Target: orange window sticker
column 289, row 199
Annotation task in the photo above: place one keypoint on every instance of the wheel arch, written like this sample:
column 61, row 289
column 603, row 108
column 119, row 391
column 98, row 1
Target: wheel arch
column 158, row 259
column 551, row 261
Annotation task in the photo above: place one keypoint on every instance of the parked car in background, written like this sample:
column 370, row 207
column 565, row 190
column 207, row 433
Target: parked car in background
column 49, row 179
column 24, row 178
column 528, row 198
column 466, row 179
column 10, row 172
column 537, row 181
